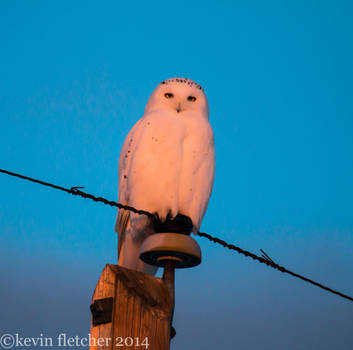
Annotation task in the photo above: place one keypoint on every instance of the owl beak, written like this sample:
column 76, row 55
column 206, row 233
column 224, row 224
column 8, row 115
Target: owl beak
column 178, row 108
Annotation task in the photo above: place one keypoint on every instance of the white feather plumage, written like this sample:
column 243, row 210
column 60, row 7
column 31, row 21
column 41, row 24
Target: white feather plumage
column 166, row 165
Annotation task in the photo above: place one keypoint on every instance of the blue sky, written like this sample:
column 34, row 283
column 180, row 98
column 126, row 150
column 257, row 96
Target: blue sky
column 75, row 77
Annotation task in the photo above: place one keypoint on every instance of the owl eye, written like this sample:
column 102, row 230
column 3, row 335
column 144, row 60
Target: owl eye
column 168, row 95
column 191, row 98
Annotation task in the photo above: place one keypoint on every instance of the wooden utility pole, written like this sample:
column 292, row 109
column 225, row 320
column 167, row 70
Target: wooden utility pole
column 132, row 310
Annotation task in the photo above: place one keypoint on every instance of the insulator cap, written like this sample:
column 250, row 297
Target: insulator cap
column 160, row 247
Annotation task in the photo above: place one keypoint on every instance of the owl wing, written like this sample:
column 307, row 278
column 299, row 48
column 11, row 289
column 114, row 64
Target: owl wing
column 198, row 171
column 123, row 217
column 204, row 178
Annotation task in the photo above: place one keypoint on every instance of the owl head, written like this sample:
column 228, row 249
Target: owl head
column 179, row 95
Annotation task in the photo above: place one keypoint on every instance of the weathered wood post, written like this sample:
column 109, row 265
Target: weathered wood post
column 131, row 309
column 138, row 316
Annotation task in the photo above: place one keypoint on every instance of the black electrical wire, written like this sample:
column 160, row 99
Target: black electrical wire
column 264, row 259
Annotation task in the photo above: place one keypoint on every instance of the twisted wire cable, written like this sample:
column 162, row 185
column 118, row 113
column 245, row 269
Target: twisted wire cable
column 264, row 258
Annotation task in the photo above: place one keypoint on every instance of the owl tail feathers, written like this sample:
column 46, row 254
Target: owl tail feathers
column 129, row 257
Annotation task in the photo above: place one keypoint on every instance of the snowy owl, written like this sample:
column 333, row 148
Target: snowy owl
column 166, row 167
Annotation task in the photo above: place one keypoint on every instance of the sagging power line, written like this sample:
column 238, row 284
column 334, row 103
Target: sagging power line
column 264, row 259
